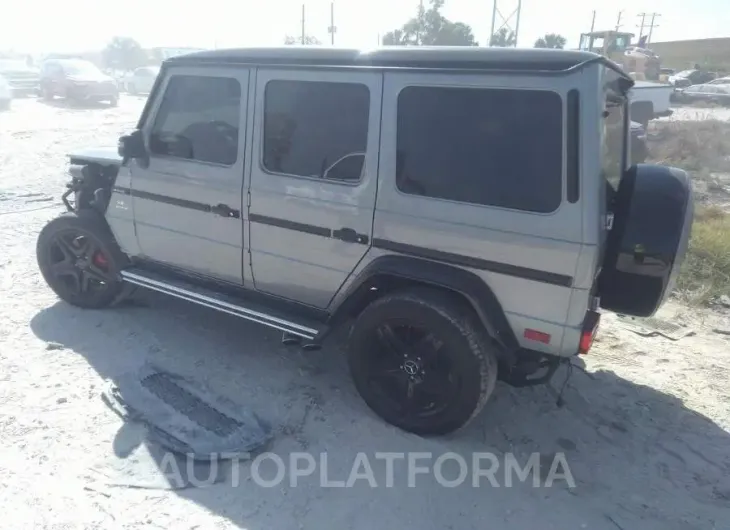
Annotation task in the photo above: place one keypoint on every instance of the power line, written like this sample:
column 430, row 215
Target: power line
column 652, row 25
column 641, row 30
column 304, row 26
column 506, row 21
column 618, row 21
column 332, row 29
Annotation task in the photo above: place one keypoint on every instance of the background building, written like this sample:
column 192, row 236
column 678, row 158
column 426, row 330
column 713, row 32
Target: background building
column 713, row 54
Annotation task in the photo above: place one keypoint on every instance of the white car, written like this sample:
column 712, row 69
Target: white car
column 141, row 80
column 6, row 94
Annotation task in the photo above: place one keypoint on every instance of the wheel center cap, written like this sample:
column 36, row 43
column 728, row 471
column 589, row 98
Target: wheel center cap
column 82, row 263
column 410, row 367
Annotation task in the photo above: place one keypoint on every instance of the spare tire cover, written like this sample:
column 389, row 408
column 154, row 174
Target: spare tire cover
column 653, row 211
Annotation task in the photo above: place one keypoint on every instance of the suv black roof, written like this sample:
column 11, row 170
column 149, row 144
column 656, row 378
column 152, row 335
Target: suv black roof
column 431, row 57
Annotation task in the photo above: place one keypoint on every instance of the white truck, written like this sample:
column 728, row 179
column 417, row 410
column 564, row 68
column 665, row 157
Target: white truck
column 650, row 100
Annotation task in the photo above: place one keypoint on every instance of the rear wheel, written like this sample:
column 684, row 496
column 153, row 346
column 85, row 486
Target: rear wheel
column 80, row 260
column 422, row 361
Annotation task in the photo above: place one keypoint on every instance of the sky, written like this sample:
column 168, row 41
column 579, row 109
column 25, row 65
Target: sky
column 40, row 26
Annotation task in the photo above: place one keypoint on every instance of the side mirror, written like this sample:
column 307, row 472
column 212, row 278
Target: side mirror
column 132, row 146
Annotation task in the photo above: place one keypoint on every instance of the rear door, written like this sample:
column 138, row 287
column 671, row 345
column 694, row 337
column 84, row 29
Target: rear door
column 313, row 179
column 188, row 200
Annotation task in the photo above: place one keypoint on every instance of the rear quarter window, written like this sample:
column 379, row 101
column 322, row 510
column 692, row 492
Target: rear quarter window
column 491, row 147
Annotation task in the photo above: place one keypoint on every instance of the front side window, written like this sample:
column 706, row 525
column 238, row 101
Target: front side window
column 494, row 147
column 316, row 129
column 198, row 119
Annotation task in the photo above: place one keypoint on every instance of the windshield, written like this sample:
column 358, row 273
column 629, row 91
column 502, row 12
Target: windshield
column 80, row 68
column 12, row 64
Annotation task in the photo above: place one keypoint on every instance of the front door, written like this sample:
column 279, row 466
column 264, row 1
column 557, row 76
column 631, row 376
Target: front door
column 188, row 200
column 313, row 179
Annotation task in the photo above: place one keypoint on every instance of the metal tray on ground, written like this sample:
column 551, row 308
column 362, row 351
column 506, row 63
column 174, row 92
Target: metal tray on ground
column 184, row 416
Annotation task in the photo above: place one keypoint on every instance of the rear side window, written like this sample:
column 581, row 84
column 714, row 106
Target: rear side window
column 316, row 129
column 482, row 146
column 198, row 119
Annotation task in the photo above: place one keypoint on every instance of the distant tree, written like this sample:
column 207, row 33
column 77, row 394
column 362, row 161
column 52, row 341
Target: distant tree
column 308, row 39
column 551, row 40
column 504, row 38
column 124, row 53
column 430, row 28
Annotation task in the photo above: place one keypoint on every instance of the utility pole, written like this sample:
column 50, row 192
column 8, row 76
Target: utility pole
column 304, row 32
column 593, row 21
column 506, row 21
column 641, row 30
column 652, row 25
column 618, row 21
column 332, row 29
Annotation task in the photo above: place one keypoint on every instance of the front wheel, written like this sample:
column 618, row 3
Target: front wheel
column 422, row 361
column 80, row 260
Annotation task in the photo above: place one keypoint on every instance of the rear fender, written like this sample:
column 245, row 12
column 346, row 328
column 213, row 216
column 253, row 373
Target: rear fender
column 390, row 271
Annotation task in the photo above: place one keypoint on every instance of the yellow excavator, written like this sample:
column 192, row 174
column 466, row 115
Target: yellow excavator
column 642, row 63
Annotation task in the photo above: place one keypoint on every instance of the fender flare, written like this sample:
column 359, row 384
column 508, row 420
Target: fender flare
column 467, row 284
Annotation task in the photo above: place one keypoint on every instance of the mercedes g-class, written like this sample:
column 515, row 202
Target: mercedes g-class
column 464, row 212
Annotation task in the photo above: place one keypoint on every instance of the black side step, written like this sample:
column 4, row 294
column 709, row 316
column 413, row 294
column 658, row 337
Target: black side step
column 255, row 312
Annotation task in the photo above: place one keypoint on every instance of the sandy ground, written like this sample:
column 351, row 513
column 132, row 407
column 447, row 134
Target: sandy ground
column 646, row 432
column 682, row 113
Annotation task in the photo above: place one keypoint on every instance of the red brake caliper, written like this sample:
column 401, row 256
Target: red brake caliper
column 99, row 259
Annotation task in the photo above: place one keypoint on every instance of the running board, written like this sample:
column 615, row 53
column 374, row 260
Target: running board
column 220, row 302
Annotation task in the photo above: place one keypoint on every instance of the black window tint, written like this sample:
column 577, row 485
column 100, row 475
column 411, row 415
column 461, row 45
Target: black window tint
column 309, row 126
column 198, row 119
column 484, row 146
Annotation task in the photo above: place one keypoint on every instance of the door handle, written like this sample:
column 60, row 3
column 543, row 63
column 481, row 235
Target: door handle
column 349, row 235
column 225, row 211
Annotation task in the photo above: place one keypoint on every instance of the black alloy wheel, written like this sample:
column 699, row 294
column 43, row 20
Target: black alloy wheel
column 80, row 261
column 410, row 369
column 422, row 361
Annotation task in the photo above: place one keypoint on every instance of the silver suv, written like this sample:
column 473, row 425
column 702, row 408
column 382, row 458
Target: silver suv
column 464, row 212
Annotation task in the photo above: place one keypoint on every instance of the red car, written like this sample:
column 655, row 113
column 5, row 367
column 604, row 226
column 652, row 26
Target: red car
column 77, row 80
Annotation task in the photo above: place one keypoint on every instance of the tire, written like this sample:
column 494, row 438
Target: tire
column 453, row 348
column 76, row 250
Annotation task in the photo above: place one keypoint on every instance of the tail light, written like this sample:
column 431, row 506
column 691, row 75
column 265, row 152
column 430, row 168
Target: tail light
column 588, row 331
